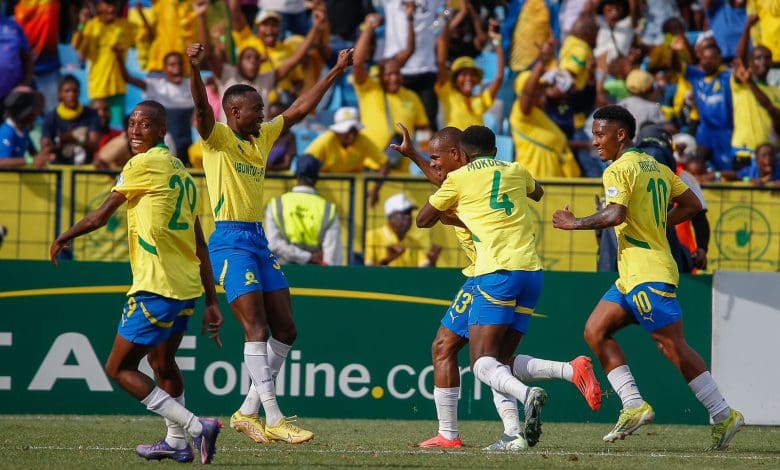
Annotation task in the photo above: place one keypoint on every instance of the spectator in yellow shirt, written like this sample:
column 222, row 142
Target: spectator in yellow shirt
column 384, row 101
column 393, row 244
column 94, row 40
column 268, row 43
column 455, row 85
column 577, row 50
column 540, row 145
column 344, row 148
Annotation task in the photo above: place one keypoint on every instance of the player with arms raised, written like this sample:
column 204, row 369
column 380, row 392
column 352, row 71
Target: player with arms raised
column 234, row 160
column 638, row 190
column 169, row 260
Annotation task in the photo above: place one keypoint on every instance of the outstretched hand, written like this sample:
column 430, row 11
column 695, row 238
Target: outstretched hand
column 212, row 322
column 196, row 52
column 406, row 147
column 564, row 219
column 56, row 247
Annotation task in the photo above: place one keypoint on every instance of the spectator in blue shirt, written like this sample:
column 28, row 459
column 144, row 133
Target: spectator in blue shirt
column 21, row 109
column 72, row 130
column 16, row 65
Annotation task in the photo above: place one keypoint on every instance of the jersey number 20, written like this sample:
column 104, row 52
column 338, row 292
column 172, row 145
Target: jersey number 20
column 186, row 187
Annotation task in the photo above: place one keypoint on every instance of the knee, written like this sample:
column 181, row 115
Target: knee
column 287, row 335
column 593, row 336
column 112, row 371
column 669, row 348
column 163, row 367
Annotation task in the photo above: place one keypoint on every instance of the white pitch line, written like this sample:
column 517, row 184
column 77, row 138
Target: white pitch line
column 711, row 456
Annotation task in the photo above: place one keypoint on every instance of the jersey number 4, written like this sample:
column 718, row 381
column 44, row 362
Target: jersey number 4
column 186, row 187
column 503, row 202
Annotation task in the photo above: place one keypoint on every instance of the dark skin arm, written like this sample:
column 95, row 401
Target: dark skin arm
column 237, row 19
column 743, row 75
column 495, row 36
column 429, row 215
column 610, row 216
column 93, row 221
column 744, row 40
column 532, row 88
column 212, row 318
column 686, row 205
column 149, row 30
column 309, row 99
column 318, row 20
column 537, row 193
column 363, row 47
column 135, row 81
column 204, row 115
column 407, row 150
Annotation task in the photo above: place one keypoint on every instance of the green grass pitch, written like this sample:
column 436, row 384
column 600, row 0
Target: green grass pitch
column 36, row 442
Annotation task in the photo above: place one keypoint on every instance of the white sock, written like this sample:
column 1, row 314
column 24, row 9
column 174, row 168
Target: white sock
column 277, row 353
column 506, row 406
column 706, row 391
column 623, row 383
column 446, row 400
column 161, row 403
column 176, row 436
column 256, row 359
column 498, row 377
column 530, row 368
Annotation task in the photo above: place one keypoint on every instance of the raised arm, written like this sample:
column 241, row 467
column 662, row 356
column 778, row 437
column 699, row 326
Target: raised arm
column 406, row 148
column 319, row 20
column 610, row 216
column 237, row 20
column 479, row 34
column 495, row 36
column 309, row 99
column 531, row 88
column 120, row 59
column 743, row 45
column 403, row 56
column 204, row 115
column 442, row 50
column 363, row 47
column 214, row 55
column 139, row 7
column 77, row 41
column 93, row 221
column 743, row 75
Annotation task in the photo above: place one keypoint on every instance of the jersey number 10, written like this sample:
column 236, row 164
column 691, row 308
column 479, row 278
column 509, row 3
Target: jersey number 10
column 660, row 195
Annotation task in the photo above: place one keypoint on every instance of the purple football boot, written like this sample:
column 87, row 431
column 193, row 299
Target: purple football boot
column 161, row 450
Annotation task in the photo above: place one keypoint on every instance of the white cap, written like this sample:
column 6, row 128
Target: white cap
column 398, row 203
column 345, row 119
column 690, row 146
column 265, row 14
column 559, row 78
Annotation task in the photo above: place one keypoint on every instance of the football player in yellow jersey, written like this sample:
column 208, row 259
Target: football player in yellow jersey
column 171, row 268
column 638, row 191
column 234, row 160
column 453, row 333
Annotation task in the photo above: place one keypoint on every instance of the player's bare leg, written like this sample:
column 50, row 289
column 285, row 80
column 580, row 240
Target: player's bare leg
column 446, row 380
column 122, row 367
column 608, row 318
column 174, row 445
column 727, row 421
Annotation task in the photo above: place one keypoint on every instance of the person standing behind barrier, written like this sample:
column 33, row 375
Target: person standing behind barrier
column 234, row 159
column 171, row 269
column 17, row 65
column 345, row 148
column 21, row 110
column 302, row 226
column 392, row 244
column 94, row 39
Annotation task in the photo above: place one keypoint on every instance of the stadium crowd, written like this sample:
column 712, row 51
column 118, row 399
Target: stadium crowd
column 531, row 70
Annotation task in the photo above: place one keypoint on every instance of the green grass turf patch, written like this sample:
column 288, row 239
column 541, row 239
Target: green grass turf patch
column 109, row 441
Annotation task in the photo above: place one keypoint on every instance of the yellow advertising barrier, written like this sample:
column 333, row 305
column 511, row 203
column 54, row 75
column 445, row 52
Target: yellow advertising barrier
column 744, row 221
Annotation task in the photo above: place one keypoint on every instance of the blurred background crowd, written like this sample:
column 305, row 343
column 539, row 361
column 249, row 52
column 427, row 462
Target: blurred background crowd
column 532, row 70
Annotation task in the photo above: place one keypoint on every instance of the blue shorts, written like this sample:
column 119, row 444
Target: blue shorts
column 241, row 260
column 151, row 319
column 506, row 298
column 457, row 317
column 653, row 304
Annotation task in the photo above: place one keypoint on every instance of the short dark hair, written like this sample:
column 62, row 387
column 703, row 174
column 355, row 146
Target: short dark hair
column 713, row 45
column 619, row 115
column 68, row 78
column 173, row 53
column 161, row 115
column 450, row 135
column 234, row 92
column 478, row 141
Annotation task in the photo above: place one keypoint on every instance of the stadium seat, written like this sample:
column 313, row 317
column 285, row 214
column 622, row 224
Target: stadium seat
column 303, row 137
column 488, row 62
column 69, row 58
column 506, row 148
